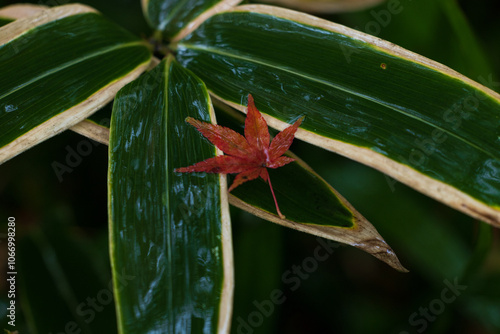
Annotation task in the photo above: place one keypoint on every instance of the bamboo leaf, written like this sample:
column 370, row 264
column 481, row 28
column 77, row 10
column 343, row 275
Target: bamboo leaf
column 326, row 6
column 410, row 117
column 58, row 67
column 176, row 19
column 169, row 230
column 311, row 205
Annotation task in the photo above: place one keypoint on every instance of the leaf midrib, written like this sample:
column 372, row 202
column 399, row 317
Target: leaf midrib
column 209, row 49
column 166, row 220
column 69, row 64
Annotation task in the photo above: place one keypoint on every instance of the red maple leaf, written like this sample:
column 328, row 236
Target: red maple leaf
column 249, row 156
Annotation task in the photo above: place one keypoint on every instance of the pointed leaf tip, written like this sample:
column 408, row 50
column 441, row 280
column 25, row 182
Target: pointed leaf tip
column 256, row 130
column 382, row 251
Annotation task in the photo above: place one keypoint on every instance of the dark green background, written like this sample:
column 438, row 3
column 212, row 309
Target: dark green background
column 350, row 291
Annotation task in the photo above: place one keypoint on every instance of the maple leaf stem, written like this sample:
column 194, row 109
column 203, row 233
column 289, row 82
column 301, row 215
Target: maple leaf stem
column 274, row 197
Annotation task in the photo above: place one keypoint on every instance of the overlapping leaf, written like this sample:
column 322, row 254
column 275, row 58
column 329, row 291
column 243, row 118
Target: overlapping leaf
column 169, row 230
column 414, row 119
column 327, row 6
column 175, row 19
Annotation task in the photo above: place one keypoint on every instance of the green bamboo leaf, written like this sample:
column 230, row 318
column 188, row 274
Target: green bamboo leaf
column 59, row 288
column 169, row 230
column 410, row 117
column 58, row 67
column 326, row 6
column 96, row 127
column 311, row 205
column 176, row 19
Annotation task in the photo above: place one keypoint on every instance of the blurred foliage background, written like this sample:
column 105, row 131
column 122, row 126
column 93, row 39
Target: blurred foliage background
column 349, row 291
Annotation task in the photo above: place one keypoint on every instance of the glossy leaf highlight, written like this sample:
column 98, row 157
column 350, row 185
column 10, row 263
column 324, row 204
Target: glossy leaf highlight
column 58, row 67
column 328, row 6
column 177, row 18
column 170, row 230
